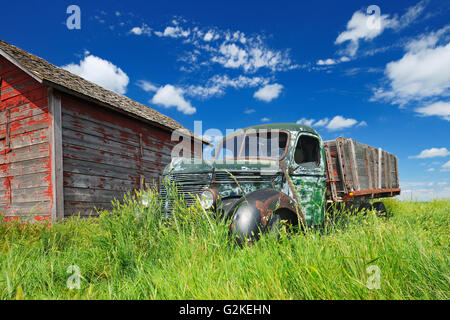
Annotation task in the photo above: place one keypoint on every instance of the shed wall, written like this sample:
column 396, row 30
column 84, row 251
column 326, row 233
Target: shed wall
column 25, row 159
column 106, row 154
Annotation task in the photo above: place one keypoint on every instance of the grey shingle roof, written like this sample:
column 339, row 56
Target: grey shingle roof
column 51, row 74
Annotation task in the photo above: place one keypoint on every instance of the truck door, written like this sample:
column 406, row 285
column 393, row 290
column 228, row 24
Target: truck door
column 308, row 176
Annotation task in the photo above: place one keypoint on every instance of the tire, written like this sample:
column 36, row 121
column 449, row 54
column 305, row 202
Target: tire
column 380, row 208
column 365, row 206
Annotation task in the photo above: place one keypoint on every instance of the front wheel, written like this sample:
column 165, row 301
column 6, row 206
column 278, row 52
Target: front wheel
column 282, row 219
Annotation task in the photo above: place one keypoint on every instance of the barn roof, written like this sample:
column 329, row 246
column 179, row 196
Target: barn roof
column 44, row 71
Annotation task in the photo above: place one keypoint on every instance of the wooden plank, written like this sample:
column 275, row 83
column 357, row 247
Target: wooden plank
column 27, row 110
column 389, row 180
column 31, row 195
column 379, row 171
column 93, row 155
column 54, row 103
column 37, row 97
column 33, row 180
column 38, row 165
column 341, row 162
column 84, row 139
column 28, row 208
column 41, row 150
column 91, row 195
column 85, row 208
column 34, row 123
column 356, row 183
column 26, row 139
column 19, row 88
column 99, row 169
column 95, row 182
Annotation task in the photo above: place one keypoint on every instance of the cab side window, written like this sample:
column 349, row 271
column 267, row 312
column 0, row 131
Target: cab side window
column 307, row 151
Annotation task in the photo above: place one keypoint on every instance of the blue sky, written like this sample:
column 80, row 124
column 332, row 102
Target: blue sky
column 381, row 77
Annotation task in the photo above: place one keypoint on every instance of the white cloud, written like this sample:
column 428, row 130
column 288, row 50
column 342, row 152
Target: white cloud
column 268, row 92
column 422, row 73
column 235, row 50
column 327, row 62
column 173, row 32
column 431, row 153
column 101, row 72
column 440, row 109
column 362, row 124
column 339, row 122
column 170, row 96
column 430, row 169
column 321, row 122
column 265, row 119
column 446, row 166
column 360, row 27
column 366, row 27
column 306, row 122
column 217, row 85
column 249, row 111
column 208, row 36
column 147, row 86
column 145, row 29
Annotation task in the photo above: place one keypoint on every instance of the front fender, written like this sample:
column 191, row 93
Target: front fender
column 251, row 213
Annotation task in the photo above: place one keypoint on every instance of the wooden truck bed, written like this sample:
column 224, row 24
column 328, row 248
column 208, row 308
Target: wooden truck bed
column 356, row 170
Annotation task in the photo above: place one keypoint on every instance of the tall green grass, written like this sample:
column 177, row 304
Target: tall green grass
column 133, row 252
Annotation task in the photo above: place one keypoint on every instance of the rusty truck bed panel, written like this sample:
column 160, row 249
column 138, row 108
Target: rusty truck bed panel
column 358, row 170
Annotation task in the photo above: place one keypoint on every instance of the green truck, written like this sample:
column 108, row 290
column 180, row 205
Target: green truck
column 265, row 174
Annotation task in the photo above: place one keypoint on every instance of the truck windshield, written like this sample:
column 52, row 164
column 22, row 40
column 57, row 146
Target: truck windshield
column 262, row 144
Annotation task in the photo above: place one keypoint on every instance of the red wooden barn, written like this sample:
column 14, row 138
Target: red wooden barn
column 69, row 145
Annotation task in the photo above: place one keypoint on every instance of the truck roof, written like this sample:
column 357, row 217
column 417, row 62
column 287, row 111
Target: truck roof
column 281, row 126
column 271, row 126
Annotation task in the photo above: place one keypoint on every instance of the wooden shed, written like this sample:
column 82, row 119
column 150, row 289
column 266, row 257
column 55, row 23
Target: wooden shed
column 68, row 145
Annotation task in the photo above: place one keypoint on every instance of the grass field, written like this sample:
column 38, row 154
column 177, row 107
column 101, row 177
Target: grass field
column 131, row 253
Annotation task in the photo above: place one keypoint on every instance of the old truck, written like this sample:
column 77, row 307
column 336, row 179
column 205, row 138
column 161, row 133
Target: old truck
column 265, row 174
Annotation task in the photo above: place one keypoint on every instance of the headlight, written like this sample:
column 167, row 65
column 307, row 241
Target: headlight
column 208, row 199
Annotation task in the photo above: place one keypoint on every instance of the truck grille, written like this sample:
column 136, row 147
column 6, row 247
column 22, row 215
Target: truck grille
column 254, row 177
column 189, row 185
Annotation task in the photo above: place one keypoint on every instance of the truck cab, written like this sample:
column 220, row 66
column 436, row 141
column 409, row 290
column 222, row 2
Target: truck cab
column 257, row 173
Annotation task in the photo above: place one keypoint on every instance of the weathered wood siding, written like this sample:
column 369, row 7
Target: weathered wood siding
column 106, row 154
column 25, row 161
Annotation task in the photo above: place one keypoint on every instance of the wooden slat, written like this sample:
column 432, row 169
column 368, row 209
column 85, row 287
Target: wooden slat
column 30, row 124
column 95, row 182
column 85, row 209
column 36, row 151
column 38, row 165
column 54, row 102
column 27, row 139
column 99, row 169
column 92, row 155
column 37, row 97
column 27, row 110
column 31, row 195
column 33, row 180
column 91, row 195
column 26, row 209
